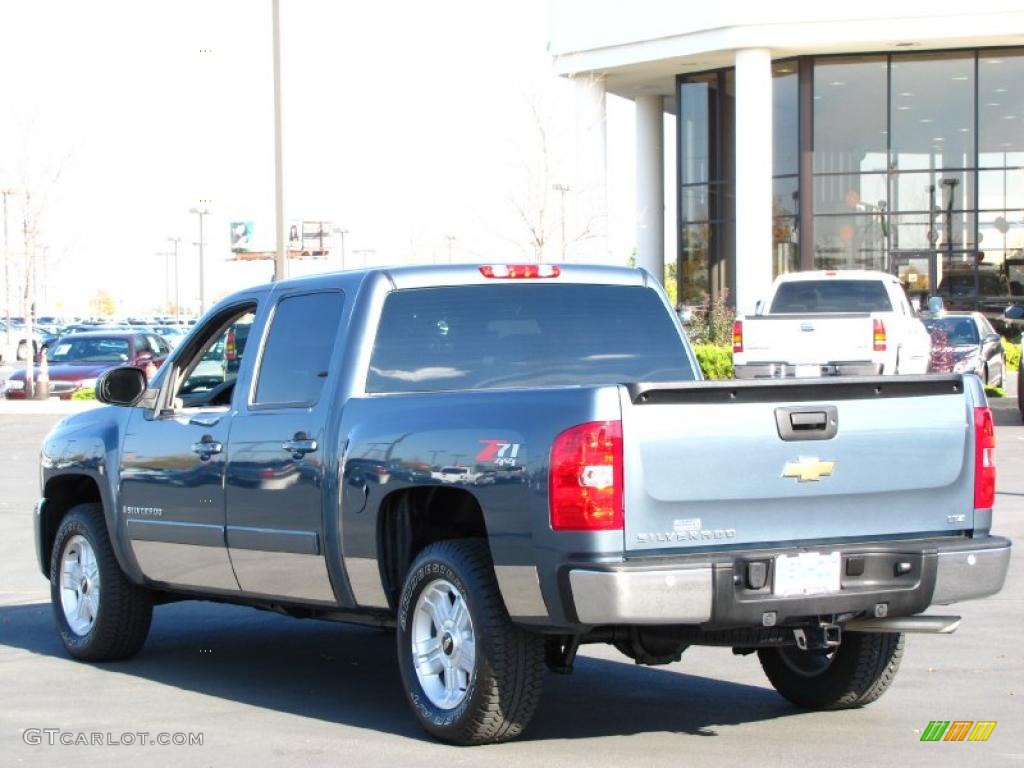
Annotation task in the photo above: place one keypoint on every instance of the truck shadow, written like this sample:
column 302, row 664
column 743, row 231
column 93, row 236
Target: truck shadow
column 347, row 674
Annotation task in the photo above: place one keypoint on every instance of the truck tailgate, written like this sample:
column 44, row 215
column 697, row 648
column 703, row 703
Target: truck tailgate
column 808, row 339
column 706, row 463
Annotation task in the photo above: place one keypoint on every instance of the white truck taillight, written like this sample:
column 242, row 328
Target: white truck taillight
column 737, row 336
column 585, row 478
column 984, row 459
column 878, row 335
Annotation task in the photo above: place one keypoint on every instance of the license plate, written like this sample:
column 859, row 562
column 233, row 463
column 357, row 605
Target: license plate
column 808, row 573
column 808, row 371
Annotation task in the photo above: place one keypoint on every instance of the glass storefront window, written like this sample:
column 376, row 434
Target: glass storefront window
column 695, row 109
column 845, row 86
column 1001, row 189
column 785, row 118
column 1001, row 109
column 933, row 111
column 694, row 259
column 941, row 190
column 858, row 193
column 850, row 242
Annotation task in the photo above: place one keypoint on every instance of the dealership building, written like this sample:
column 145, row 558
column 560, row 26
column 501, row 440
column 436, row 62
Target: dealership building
column 819, row 135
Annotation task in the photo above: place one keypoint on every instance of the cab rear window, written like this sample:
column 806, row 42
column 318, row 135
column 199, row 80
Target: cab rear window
column 806, row 296
column 497, row 336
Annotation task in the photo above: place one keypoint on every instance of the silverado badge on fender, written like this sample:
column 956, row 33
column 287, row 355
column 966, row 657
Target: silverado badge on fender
column 807, row 469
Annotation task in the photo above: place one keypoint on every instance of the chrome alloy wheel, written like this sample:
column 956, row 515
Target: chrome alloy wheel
column 443, row 644
column 79, row 585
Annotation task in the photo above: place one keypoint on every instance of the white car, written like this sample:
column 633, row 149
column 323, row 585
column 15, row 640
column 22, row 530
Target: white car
column 831, row 323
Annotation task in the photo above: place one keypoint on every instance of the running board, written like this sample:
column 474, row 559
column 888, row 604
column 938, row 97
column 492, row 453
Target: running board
column 942, row 625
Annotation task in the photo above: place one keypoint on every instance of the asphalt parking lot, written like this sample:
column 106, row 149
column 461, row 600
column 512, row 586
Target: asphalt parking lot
column 263, row 689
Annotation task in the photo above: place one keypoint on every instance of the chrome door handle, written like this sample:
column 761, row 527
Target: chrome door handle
column 299, row 447
column 207, row 447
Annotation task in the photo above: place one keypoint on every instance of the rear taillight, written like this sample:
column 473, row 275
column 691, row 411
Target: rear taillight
column 878, row 335
column 230, row 349
column 984, row 459
column 517, row 271
column 585, row 481
column 737, row 336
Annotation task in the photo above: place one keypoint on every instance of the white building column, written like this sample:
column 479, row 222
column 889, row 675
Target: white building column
column 589, row 194
column 650, row 185
column 753, row 177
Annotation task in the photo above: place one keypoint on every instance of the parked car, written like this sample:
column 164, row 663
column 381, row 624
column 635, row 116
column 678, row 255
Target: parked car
column 75, row 361
column 1014, row 315
column 831, row 324
column 172, row 334
column 20, row 345
column 811, row 523
column 966, row 342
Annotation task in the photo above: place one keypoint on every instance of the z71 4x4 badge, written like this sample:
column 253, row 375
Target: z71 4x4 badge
column 502, row 453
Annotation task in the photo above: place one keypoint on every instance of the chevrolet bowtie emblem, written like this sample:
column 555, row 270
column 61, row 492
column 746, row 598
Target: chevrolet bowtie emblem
column 808, row 470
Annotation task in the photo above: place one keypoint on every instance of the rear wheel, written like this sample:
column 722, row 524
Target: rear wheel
column 101, row 616
column 469, row 673
column 856, row 673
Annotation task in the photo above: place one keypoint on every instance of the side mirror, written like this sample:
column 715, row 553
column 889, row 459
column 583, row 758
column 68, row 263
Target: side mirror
column 758, row 307
column 936, row 305
column 121, row 386
column 1016, row 312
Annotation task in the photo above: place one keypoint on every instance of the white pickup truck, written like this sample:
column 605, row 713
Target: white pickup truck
column 831, row 324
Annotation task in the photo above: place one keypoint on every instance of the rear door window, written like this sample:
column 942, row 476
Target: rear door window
column 297, row 354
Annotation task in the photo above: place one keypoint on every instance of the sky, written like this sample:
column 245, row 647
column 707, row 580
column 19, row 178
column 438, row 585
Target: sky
column 404, row 123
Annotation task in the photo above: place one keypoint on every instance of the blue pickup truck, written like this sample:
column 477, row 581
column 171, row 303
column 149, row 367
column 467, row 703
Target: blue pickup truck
column 505, row 462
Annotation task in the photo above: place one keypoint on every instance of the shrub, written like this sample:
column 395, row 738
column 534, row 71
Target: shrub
column 712, row 321
column 84, row 394
column 1012, row 352
column 715, row 360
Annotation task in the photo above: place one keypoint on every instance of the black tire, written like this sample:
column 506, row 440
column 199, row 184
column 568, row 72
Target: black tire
column 124, row 609
column 859, row 671
column 505, row 686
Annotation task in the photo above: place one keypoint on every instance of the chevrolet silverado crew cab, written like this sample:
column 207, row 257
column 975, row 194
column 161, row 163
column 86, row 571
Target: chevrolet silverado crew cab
column 506, row 462
column 841, row 323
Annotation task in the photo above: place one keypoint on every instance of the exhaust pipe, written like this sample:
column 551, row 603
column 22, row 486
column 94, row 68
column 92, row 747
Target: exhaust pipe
column 942, row 625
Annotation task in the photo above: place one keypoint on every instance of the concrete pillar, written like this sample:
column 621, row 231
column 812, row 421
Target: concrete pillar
column 588, row 230
column 650, row 185
column 753, row 176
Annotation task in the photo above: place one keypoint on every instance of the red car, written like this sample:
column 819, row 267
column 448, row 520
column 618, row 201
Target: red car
column 76, row 360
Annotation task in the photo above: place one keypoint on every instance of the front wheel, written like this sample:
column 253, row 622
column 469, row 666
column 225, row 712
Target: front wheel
column 856, row 673
column 469, row 673
column 101, row 616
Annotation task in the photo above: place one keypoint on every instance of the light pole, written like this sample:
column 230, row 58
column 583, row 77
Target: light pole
column 341, row 233
column 7, row 268
column 450, row 239
column 280, row 255
column 177, row 296
column 200, row 212
column 562, row 189
column 364, row 252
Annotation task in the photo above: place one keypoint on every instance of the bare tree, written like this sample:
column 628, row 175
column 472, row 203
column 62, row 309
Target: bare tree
column 545, row 149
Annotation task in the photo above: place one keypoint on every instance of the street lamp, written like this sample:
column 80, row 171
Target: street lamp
column 177, row 297
column 364, row 252
column 200, row 212
column 450, row 239
column 7, row 267
column 562, row 189
column 341, row 233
